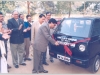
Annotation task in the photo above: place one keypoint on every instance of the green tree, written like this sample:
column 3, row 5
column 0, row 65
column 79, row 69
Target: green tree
column 86, row 4
column 7, row 6
column 62, row 7
column 48, row 6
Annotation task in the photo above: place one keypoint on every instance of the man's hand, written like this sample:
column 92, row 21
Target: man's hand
column 56, row 43
column 5, row 36
column 4, row 30
column 9, row 32
column 29, row 28
column 20, row 27
column 25, row 30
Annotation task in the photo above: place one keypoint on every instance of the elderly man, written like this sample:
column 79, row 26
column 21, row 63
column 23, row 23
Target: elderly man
column 41, row 41
column 17, row 39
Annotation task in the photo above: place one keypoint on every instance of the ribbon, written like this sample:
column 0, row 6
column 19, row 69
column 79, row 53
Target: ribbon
column 67, row 50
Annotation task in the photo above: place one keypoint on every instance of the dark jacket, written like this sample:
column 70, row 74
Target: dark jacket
column 1, row 37
column 28, row 33
column 17, row 36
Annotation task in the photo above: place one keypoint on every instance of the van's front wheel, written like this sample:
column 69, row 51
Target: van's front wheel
column 96, row 64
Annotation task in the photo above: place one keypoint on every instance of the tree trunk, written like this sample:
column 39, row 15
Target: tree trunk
column 28, row 4
column 84, row 8
column 69, row 9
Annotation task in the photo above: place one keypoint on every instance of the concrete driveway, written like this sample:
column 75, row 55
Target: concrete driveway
column 57, row 67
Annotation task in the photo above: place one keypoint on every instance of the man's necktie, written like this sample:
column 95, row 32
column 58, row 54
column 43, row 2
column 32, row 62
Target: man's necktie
column 17, row 22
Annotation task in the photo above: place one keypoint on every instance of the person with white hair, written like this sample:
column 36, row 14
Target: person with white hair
column 17, row 39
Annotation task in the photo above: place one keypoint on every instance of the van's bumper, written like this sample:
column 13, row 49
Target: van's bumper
column 71, row 59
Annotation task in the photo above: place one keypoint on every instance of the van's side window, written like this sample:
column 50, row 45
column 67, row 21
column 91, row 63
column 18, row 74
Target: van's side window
column 96, row 28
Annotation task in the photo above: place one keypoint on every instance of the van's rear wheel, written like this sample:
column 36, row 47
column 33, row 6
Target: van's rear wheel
column 96, row 64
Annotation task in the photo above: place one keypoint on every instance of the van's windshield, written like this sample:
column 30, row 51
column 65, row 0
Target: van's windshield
column 75, row 27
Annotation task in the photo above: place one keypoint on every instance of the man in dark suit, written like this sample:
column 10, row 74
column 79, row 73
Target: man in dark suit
column 17, row 39
column 40, row 44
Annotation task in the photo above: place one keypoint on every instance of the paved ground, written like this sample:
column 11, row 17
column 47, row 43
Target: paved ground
column 57, row 67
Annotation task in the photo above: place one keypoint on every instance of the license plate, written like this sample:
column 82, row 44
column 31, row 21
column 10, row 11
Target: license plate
column 63, row 58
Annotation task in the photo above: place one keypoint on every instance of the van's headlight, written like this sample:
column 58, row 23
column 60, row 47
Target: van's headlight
column 82, row 47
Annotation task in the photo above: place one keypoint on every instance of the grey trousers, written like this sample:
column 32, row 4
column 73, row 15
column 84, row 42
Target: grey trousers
column 5, row 42
column 44, row 57
column 17, row 51
column 27, row 45
column 37, row 59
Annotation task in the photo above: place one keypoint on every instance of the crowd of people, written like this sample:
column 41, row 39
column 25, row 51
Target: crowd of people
column 21, row 34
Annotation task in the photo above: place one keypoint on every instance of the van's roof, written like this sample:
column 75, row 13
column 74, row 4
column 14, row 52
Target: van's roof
column 83, row 18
